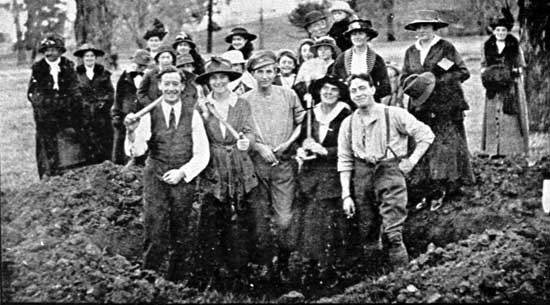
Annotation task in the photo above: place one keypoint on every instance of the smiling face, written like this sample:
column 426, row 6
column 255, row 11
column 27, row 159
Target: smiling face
column 305, row 51
column 183, row 48
column 286, row 65
column 153, row 43
column 324, row 52
column 89, row 59
column 361, row 93
column 238, row 42
column 318, row 29
column 165, row 59
column 358, row 38
column 218, row 83
column 52, row 53
column 500, row 33
column 339, row 15
column 425, row 31
column 329, row 94
column 265, row 75
column 171, row 86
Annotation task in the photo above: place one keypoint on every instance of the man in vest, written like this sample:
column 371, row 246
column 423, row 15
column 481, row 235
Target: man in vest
column 178, row 152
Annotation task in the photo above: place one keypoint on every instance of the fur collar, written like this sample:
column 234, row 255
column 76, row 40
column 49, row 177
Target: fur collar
column 98, row 69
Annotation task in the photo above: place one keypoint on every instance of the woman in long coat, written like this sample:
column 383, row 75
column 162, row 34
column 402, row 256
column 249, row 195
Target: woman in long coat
column 505, row 121
column 224, row 228
column 94, row 83
column 446, row 165
column 54, row 96
column 318, row 227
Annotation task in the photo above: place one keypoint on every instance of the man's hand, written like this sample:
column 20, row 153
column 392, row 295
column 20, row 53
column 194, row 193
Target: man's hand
column 349, row 207
column 406, row 165
column 131, row 121
column 173, row 176
column 266, row 152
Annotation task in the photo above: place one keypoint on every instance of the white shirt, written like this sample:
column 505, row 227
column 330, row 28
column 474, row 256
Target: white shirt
column 325, row 119
column 222, row 107
column 201, row 151
column 358, row 61
column 500, row 45
column 137, row 80
column 54, row 71
column 424, row 50
column 89, row 72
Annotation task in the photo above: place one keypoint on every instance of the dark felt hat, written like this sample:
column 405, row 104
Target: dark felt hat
column 240, row 32
column 313, row 17
column 326, row 41
column 261, row 59
column 141, row 57
column 183, row 38
column 166, row 48
column 52, row 40
column 419, row 87
column 426, row 17
column 157, row 30
column 88, row 47
column 317, row 84
column 217, row 65
column 363, row 25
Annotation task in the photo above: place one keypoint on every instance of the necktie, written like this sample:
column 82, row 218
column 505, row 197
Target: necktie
column 172, row 121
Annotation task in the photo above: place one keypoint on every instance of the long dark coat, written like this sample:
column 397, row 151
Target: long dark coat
column 125, row 102
column 448, row 157
column 57, row 114
column 337, row 32
column 97, row 97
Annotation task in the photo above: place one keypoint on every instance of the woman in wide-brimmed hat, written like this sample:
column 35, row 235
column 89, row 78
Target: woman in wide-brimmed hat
column 154, row 36
column 98, row 94
column 184, row 44
column 229, row 177
column 505, row 121
column 240, row 39
column 361, row 58
column 446, row 165
column 318, row 225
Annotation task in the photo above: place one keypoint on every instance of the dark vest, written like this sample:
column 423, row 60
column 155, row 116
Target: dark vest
column 174, row 147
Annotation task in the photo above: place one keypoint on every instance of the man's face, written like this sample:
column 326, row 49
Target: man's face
column 358, row 38
column 265, row 75
column 318, row 29
column 171, row 86
column 361, row 92
column 52, row 53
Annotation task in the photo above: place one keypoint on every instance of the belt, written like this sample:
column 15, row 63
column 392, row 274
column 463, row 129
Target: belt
column 379, row 161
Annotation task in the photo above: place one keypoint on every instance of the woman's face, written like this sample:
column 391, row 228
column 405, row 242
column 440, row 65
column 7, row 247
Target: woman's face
column 339, row 15
column 153, row 43
column 238, row 42
column 52, row 53
column 305, row 51
column 394, row 79
column 329, row 94
column 165, row 59
column 183, row 48
column 500, row 33
column 318, row 29
column 286, row 65
column 425, row 32
column 218, row 82
column 89, row 59
column 358, row 38
column 324, row 52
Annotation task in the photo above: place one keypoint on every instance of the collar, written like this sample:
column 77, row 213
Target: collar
column 325, row 119
column 53, row 63
column 89, row 69
column 355, row 51
column 167, row 107
column 376, row 112
column 231, row 100
column 434, row 41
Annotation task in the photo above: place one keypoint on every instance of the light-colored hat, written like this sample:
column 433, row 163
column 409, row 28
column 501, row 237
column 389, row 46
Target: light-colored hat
column 217, row 65
column 261, row 59
column 234, row 57
column 426, row 17
column 341, row 6
column 419, row 87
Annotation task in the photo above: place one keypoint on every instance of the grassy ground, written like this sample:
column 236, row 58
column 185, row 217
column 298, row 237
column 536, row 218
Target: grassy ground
column 17, row 161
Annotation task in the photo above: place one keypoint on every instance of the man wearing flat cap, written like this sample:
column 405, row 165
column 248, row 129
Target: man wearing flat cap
column 361, row 58
column 54, row 96
column 278, row 116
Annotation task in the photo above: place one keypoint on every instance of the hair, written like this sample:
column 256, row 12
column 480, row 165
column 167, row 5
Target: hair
column 172, row 69
column 316, row 54
column 364, row 76
column 246, row 49
column 302, row 43
column 290, row 55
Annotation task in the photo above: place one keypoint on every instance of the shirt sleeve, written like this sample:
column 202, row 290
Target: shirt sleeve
column 345, row 152
column 142, row 135
column 201, row 150
column 407, row 124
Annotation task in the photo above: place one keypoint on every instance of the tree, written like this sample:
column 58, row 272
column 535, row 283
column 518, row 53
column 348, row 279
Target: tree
column 94, row 24
column 43, row 16
column 535, row 40
column 19, row 45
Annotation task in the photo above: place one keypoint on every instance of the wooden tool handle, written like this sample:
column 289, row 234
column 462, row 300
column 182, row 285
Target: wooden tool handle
column 148, row 108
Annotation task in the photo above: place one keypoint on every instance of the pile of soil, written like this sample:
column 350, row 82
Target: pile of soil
column 78, row 238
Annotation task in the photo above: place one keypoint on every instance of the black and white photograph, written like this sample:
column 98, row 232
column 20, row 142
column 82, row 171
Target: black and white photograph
column 275, row 151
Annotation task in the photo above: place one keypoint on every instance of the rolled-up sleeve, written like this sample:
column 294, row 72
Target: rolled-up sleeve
column 142, row 135
column 201, row 150
column 409, row 125
column 345, row 152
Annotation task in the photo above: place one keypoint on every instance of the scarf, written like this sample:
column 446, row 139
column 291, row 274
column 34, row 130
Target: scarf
column 54, row 71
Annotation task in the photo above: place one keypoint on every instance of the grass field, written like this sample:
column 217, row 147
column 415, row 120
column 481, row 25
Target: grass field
column 17, row 161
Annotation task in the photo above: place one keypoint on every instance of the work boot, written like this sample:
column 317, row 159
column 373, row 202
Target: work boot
column 397, row 255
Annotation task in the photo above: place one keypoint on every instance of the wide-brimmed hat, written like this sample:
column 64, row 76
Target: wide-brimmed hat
column 419, row 87
column 157, row 30
column 183, row 38
column 261, row 59
column 313, row 17
column 326, row 41
column 88, row 47
column 183, row 59
column 141, row 57
column 426, row 17
column 234, row 57
column 288, row 53
column 52, row 40
column 341, row 6
column 363, row 25
column 217, row 65
column 317, row 84
column 241, row 32
column 164, row 49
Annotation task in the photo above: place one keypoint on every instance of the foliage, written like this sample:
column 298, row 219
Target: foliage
column 43, row 16
column 297, row 16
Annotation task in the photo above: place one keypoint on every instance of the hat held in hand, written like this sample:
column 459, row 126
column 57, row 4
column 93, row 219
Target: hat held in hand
column 419, row 87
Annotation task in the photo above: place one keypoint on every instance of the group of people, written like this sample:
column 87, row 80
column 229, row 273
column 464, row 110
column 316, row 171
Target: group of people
column 305, row 151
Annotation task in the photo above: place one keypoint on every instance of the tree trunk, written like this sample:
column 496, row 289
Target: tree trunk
column 94, row 24
column 535, row 41
column 19, row 44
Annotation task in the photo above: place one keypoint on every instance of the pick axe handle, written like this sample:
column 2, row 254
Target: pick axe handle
column 148, row 108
